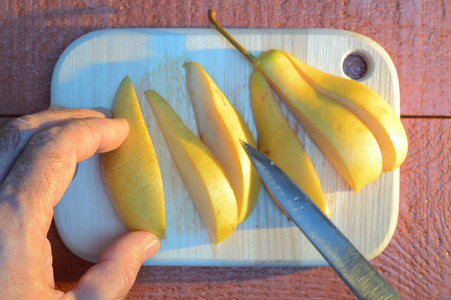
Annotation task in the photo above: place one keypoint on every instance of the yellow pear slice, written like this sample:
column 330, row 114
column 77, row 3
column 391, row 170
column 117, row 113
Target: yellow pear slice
column 131, row 172
column 340, row 135
column 221, row 128
column 280, row 144
column 368, row 105
column 201, row 173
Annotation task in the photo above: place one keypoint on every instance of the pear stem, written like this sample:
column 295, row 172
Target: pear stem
column 212, row 16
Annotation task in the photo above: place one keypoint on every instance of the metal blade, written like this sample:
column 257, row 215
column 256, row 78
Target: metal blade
column 363, row 280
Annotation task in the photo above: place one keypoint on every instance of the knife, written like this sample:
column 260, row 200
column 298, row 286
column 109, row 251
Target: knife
column 363, row 280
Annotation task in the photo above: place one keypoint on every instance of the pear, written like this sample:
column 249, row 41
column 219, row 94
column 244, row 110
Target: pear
column 221, row 129
column 280, row 144
column 343, row 138
column 369, row 106
column 340, row 135
column 201, row 173
column 131, row 172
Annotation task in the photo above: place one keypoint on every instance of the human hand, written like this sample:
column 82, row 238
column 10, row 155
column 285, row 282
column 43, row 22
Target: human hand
column 38, row 157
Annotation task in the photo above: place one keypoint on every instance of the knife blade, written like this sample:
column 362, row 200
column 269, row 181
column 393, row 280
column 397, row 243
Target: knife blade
column 358, row 274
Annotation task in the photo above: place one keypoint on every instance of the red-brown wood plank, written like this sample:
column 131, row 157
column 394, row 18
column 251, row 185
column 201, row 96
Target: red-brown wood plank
column 414, row 33
column 417, row 262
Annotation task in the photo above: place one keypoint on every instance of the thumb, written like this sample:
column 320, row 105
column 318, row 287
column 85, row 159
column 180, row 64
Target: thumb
column 114, row 274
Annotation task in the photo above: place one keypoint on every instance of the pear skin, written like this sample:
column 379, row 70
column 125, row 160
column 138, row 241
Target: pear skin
column 368, row 105
column 221, row 129
column 132, row 173
column 280, row 144
column 338, row 133
column 201, row 173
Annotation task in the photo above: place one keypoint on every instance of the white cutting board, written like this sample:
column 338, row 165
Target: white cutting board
column 88, row 74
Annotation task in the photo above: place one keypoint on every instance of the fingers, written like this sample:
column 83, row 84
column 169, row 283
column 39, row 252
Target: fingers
column 114, row 274
column 16, row 134
column 45, row 167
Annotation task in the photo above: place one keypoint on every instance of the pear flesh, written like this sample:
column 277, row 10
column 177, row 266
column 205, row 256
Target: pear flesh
column 131, row 172
column 201, row 173
column 280, row 144
column 221, row 129
column 368, row 105
column 343, row 138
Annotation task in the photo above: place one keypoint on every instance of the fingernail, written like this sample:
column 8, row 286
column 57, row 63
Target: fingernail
column 104, row 111
column 151, row 248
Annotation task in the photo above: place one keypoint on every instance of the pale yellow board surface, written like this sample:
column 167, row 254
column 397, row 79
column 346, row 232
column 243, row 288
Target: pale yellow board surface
column 88, row 74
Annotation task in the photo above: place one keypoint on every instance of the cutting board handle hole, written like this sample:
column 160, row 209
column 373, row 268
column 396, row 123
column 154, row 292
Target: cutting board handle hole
column 357, row 65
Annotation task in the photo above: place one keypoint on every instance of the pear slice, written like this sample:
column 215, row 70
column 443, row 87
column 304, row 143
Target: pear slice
column 343, row 138
column 368, row 105
column 132, row 173
column 221, row 128
column 280, row 144
column 201, row 173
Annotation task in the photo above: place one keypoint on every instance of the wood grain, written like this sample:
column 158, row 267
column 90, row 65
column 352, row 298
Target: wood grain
column 414, row 33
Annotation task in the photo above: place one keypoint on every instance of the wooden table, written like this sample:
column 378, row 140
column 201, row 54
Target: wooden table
column 416, row 34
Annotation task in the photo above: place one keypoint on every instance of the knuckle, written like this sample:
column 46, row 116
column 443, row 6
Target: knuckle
column 43, row 144
column 58, row 140
column 10, row 138
column 87, row 126
column 128, row 276
column 37, row 142
column 25, row 122
column 52, row 138
column 12, row 134
column 62, row 113
column 47, row 135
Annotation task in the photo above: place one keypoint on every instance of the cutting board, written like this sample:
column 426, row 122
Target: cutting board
column 88, row 74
